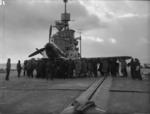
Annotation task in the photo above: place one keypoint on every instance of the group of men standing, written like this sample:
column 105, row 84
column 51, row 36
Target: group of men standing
column 135, row 68
column 120, row 68
column 58, row 68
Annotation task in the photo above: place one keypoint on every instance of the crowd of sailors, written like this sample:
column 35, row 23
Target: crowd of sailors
column 58, row 68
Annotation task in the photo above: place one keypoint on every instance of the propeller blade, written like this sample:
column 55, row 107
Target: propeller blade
column 37, row 52
column 50, row 32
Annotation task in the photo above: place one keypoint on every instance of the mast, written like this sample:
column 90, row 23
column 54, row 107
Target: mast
column 65, row 17
column 64, row 38
column 65, row 1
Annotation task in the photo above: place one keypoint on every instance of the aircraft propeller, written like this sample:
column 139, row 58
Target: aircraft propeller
column 52, row 51
column 50, row 32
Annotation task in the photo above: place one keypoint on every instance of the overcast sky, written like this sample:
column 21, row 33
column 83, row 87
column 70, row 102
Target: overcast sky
column 109, row 27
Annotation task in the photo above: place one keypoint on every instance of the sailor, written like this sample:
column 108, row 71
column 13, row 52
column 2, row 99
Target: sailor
column 78, row 68
column 19, row 68
column 94, row 68
column 8, row 67
column 132, row 68
column 124, row 68
column 43, row 68
column 90, row 67
column 40, row 69
column 70, row 68
column 138, row 69
column 25, row 67
column 30, row 67
column 84, row 67
column 50, row 69
column 105, row 67
column 117, row 67
column 66, row 65
column 113, row 67
column 63, row 69
column 57, row 69
column 100, row 67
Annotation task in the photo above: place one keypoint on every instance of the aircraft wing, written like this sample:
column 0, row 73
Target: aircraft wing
column 109, row 58
column 37, row 52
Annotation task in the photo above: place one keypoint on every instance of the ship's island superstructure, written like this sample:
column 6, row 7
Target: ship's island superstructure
column 65, row 37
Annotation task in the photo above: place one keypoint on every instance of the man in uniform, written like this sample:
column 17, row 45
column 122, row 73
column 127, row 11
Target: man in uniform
column 49, row 70
column 8, row 67
column 25, row 68
column 138, row 69
column 124, row 68
column 19, row 68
